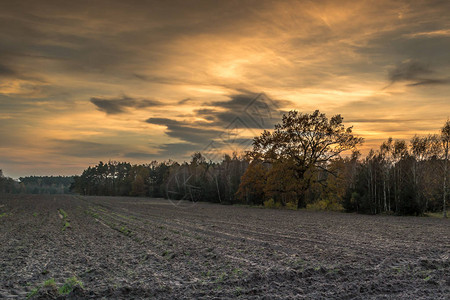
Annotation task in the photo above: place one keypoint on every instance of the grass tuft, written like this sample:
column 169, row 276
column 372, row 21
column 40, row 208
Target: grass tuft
column 69, row 285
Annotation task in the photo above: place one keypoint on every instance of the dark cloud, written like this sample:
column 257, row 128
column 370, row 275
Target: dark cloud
column 417, row 72
column 411, row 70
column 430, row 82
column 226, row 121
column 228, row 124
column 6, row 71
column 163, row 121
column 184, row 101
column 199, row 136
column 248, row 110
column 195, row 132
column 119, row 105
column 237, row 102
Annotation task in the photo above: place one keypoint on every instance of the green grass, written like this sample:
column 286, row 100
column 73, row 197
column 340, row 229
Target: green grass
column 125, row 230
column 48, row 283
column 33, row 292
column 168, row 254
column 238, row 291
column 69, row 285
column 66, row 225
column 65, row 219
column 63, row 213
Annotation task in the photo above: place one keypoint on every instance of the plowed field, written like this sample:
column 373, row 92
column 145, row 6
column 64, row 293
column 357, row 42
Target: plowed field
column 112, row 247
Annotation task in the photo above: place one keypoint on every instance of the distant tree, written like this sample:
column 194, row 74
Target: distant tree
column 138, row 187
column 423, row 150
column 445, row 135
column 8, row 185
column 251, row 189
column 309, row 141
column 399, row 151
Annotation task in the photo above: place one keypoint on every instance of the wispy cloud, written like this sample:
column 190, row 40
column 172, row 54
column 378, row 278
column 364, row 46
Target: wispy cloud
column 417, row 72
column 433, row 33
column 120, row 105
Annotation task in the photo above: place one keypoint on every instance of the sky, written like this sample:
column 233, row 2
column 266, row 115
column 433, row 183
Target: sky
column 84, row 81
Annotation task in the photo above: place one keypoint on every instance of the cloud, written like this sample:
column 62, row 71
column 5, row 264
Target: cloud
column 183, row 150
column 119, row 105
column 415, row 71
column 193, row 132
column 216, row 118
column 433, row 33
column 164, row 121
column 6, row 71
column 430, row 82
column 184, row 101
column 410, row 70
column 253, row 110
column 230, row 124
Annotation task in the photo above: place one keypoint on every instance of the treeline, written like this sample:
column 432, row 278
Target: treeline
column 401, row 178
column 8, row 185
column 36, row 184
column 398, row 178
column 46, row 184
column 197, row 180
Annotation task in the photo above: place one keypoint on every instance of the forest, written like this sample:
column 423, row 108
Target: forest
column 308, row 160
column 36, row 184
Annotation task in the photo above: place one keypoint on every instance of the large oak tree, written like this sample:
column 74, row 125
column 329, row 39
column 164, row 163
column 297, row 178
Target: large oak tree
column 308, row 142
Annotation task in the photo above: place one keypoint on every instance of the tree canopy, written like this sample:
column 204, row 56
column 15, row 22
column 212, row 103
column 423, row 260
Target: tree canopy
column 306, row 143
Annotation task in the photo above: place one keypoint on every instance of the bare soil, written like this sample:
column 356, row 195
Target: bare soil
column 137, row 248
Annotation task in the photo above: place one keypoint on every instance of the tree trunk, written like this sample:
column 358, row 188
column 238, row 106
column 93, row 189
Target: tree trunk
column 301, row 202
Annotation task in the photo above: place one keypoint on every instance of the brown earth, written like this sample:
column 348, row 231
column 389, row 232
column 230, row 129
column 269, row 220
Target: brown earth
column 136, row 248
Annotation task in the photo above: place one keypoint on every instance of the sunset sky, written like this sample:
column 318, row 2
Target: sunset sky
column 139, row 81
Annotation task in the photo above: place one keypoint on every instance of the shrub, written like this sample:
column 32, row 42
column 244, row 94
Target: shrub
column 291, row 205
column 325, row 205
column 272, row 204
